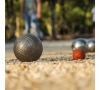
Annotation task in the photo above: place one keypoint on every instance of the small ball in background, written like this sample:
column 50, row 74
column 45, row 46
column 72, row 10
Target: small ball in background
column 79, row 43
column 91, row 45
column 28, row 48
column 78, row 54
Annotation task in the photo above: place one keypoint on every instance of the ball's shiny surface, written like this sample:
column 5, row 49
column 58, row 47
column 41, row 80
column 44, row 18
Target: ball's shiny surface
column 91, row 46
column 79, row 43
column 27, row 48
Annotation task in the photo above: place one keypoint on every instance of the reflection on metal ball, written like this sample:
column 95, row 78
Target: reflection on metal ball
column 79, row 43
column 28, row 48
column 91, row 46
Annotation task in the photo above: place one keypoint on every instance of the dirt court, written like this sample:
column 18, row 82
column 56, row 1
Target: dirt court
column 55, row 70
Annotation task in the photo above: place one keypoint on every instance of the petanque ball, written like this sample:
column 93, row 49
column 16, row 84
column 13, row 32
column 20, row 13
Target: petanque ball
column 78, row 54
column 79, row 43
column 91, row 46
column 27, row 48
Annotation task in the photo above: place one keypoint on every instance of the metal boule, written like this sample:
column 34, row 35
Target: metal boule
column 91, row 45
column 79, row 43
column 28, row 48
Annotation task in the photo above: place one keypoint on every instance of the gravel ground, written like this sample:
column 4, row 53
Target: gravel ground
column 55, row 70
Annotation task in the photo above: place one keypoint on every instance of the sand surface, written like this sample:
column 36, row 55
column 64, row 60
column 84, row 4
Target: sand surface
column 55, row 70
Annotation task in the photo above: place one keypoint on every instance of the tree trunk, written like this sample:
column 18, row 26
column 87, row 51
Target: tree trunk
column 53, row 20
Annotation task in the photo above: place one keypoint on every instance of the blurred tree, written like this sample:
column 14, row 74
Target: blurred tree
column 58, row 17
column 52, row 4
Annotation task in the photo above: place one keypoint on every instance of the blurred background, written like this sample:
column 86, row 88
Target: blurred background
column 61, row 19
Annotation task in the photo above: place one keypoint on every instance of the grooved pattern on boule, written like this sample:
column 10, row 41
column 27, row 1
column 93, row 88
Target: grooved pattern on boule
column 28, row 48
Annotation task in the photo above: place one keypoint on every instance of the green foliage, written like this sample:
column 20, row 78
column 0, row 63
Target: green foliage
column 70, row 15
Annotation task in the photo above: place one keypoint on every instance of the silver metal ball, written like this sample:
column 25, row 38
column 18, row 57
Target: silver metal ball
column 28, row 48
column 79, row 43
column 91, row 46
